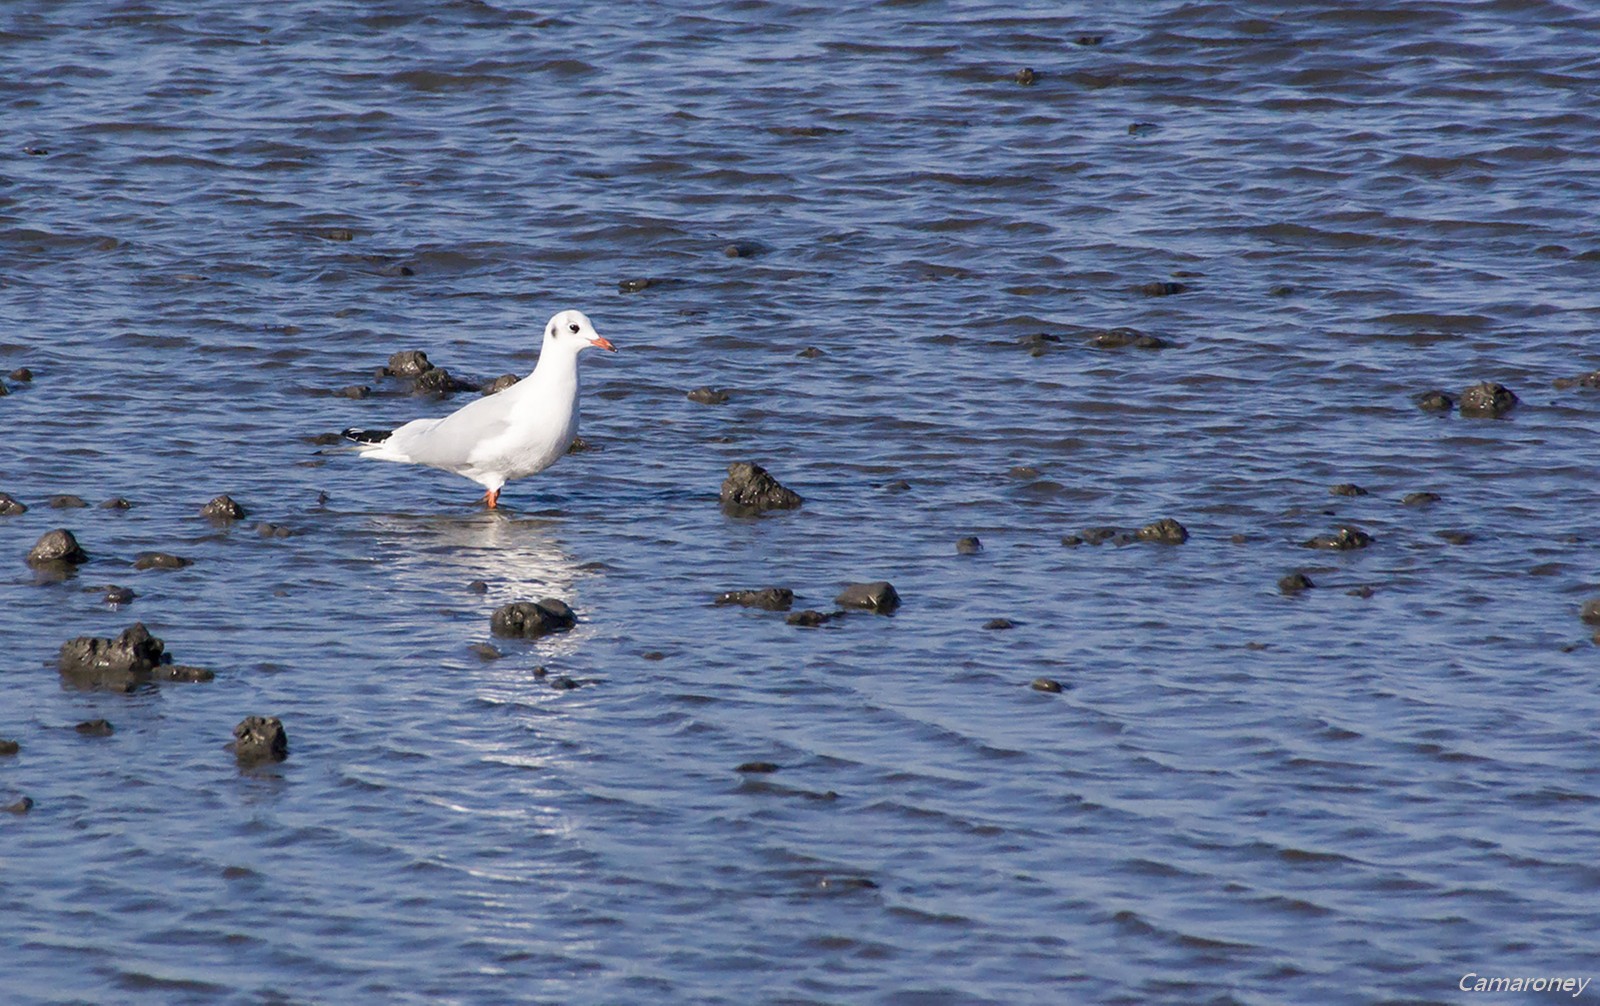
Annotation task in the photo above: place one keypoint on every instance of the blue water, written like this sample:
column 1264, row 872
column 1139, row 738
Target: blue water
column 1241, row 796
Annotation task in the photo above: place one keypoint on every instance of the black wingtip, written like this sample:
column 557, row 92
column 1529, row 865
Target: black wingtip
column 366, row 436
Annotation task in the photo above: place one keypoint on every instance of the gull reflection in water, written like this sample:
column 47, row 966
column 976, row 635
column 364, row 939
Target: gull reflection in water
column 518, row 557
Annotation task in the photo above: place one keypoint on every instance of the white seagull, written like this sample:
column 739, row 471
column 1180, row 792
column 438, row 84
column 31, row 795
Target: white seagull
column 512, row 434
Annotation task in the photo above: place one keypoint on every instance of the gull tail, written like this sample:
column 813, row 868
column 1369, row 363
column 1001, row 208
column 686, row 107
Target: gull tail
column 366, row 436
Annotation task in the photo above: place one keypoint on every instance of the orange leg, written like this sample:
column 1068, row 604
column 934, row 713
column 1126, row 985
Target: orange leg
column 491, row 497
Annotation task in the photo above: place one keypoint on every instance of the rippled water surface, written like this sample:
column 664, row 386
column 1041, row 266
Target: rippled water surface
column 214, row 215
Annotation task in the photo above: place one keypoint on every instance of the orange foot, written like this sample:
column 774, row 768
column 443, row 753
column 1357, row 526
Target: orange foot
column 491, row 498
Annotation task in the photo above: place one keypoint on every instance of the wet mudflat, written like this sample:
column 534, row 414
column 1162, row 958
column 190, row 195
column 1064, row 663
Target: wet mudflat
column 1238, row 649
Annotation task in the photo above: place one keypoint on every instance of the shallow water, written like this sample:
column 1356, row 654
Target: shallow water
column 1241, row 796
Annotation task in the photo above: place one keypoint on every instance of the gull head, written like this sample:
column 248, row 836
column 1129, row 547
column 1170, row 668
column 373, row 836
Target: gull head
column 574, row 332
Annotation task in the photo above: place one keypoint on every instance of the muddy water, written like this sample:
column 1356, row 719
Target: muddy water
column 211, row 219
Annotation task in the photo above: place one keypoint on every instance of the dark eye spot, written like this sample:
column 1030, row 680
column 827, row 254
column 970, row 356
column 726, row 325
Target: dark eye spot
column 573, row 329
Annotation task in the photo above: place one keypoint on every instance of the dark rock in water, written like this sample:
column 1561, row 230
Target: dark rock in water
column 1072, row 540
column 635, row 285
column 1159, row 288
column 540, row 673
column 878, row 596
column 968, row 545
column 770, row 598
column 897, row 486
column 1050, row 685
column 500, row 384
column 758, row 767
column 749, row 490
column 1590, row 611
column 335, row 234
column 1487, row 400
column 1294, row 583
column 653, row 655
column 1038, row 343
column 532, row 619
column 743, row 249
column 118, row 595
column 1088, row 40
column 1141, row 128
column 485, row 651
column 269, row 530
column 811, row 619
column 562, row 683
column 1343, row 540
column 160, row 560
column 1347, row 489
column 579, row 445
column 708, row 396
column 1026, row 76
column 1435, row 401
column 66, row 502
column 356, row 391
column 1420, row 499
column 10, row 506
column 58, row 546
column 1024, row 472
column 8, row 747
column 325, row 439
column 408, row 363
column 1589, row 380
column 478, row 587
column 259, row 739
column 810, row 353
column 20, row 806
column 117, row 503
column 999, row 623
column 223, row 508
column 438, row 381
column 847, row 884
column 4, row 390
column 21, row 375
column 182, row 672
column 1116, row 338
column 1166, row 531
column 95, row 728
column 117, row 665
column 1099, row 535
column 1455, row 537
column 1362, row 591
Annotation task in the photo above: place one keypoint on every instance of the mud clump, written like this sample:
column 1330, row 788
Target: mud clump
column 708, row 396
column 259, row 739
column 532, row 619
column 408, row 363
column 1295, row 583
column 1435, row 401
column 768, row 598
column 1487, row 400
column 223, row 508
column 57, row 548
column 879, row 596
column 750, row 490
column 1589, row 380
column 810, row 619
column 439, row 381
column 160, row 560
column 1165, row 531
column 117, row 665
column 1345, row 539
column 1117, row 338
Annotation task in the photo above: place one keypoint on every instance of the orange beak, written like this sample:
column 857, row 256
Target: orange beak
column 603, row 343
